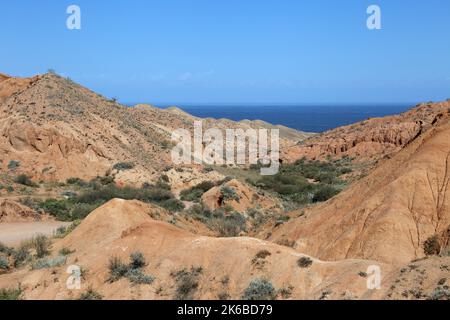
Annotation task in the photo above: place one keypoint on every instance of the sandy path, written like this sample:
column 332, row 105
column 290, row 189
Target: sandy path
column 12, row 234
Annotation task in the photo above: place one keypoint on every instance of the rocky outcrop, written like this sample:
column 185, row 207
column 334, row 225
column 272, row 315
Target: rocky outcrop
column 11, row 211
column 369, row 140
column 238, row 196
column 388, row 215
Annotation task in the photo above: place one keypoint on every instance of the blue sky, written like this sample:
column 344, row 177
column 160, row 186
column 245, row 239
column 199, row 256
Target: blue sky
column 235, row 51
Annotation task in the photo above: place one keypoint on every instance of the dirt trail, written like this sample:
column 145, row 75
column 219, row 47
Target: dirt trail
column 13, row 234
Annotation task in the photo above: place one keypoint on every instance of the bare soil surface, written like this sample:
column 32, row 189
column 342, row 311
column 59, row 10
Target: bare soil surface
column 12, row 234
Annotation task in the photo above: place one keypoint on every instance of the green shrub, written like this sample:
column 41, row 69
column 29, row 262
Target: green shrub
column 77, row 181
column 4, row 264
column 259, row 289
column 136, row 276
column 13, row 164
column 123, row 166
column 440, row 293
column 20, row 256
column 187, row 282
column 195, row 193
column 91, row 294
column 49, row 263
column 117, row 269
column 229, row 193
column 65, row 252
column 10, row 294
column 227, row 225
column 431, row 246
column 304, row 262
column 5, row 249
column 173, row 205
column 324, row 193
column 60, row 209
column 137, row 260
column 25, row 180
column 41, row 244
column 133, row 271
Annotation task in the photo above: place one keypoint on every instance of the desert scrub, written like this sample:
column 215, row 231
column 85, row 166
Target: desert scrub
column 304, row 262
column 80, row 206
column 259, row 260
column 25, row 180
column 47, row 263
column 187, row 282
column 65, row 251
column 431, row 246
column 440, row 293
column 13, row 164
column 11, row 293
column 122, row 166
column 117, row 269
column 259, row 289
column 41, row 244
column 195, row 193
column 21, row 256
column 229, row 193
column 4, row 264
column 132, row 271
column 91, row 294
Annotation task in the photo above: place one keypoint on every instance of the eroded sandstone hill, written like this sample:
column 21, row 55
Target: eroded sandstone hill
column 390, row 214
column 372, row 139
column 55, row 129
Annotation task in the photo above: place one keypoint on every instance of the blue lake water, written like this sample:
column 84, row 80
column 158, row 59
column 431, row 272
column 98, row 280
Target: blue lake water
column 317, row 118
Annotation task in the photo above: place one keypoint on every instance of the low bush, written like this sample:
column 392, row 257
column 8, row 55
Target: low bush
column 195, row 193
column 304, row 262
column 25, row 180
column 13, row 164
column 133, row 271
column 10, row 294
column 49, row 263
column 136, row 276
column 91, row 294
column 121, row 166
column 259, row 289
column 187, row 282
column 41, row 244
column 229, row 193
column 431, row 246
column 324, row 193
column 4, row 264
column 21, row 256
column 117, row 269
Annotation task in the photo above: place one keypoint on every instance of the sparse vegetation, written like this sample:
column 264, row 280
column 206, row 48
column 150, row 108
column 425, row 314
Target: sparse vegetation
column 4, row 264
column 133, row 271
column 91, row 294
column 229, row 194
column 431, row 246
column 41, row 245
column 259, row 260
column 440, row 293
column 304, row 262
column 286, row 292
column 13, row 164
column 49, row 263
column 259, row 289
column 225, row 222
column 100, row 192
column 195, row 193
column 122, row 166
column 306, row 182
column 187, row 282
column 25, row 180
column 11, row 294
